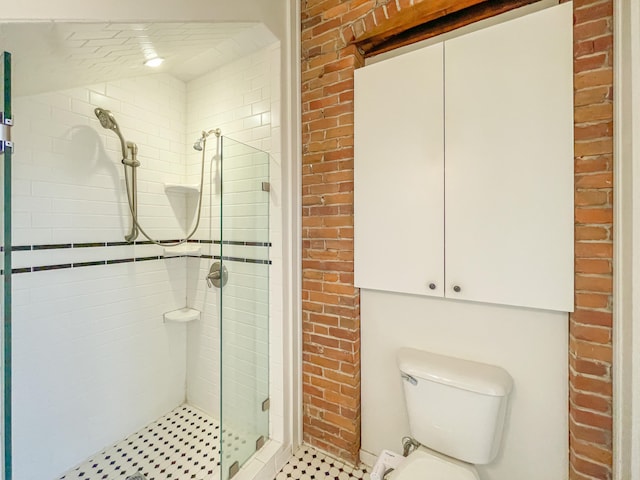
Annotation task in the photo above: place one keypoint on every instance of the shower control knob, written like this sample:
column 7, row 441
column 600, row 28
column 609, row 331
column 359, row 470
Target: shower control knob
column 218, row 275
column 456, row 288
column 432, row 286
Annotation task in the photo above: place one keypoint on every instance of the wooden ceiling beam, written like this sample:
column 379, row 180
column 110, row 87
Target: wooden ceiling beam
column 413, row 16
column 390, row 34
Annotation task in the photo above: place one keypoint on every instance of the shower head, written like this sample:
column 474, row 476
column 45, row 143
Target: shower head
column 200, row 143
column 108, row 121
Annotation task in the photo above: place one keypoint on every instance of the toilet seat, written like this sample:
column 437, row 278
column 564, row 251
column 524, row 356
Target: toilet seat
column 424, row 464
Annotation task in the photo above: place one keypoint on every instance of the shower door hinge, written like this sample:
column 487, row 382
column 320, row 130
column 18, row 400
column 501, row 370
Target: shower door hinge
column 5, row 133
column 260, row 442
column 233, row 469
column 266, row 186
column 266, row 404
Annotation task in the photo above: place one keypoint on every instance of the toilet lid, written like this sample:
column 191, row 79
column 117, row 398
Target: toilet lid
column 423, row 465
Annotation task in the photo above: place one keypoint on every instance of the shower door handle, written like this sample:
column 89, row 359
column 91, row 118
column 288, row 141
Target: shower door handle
column 218, row 275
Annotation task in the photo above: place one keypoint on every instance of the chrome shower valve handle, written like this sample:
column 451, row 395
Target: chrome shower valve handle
column 218, row 275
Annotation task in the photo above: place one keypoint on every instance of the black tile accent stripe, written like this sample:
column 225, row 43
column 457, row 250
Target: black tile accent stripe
column 233, row 242
column 55, row 246
column 59, row 246
column 247, row 260
column 144, row 259
column 50, row 267
column 51, row 247
column 247, row 244
column 44, row 268
column 120, row 260
column 89, row 264
column 19, row 270
column 89, row 245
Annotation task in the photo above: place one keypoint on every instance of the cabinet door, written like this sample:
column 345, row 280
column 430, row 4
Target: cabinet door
column 399, row 191
column 509, row 162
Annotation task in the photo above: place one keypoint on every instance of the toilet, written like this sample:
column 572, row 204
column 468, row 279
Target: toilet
column 456, row 412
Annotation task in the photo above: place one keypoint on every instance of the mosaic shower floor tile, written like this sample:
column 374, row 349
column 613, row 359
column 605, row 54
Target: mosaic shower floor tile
column 184, row 444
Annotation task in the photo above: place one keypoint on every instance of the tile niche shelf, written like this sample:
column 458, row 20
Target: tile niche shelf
column 186, row 249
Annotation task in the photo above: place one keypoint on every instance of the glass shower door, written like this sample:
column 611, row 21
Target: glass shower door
column 5, row 253
column 244, row 304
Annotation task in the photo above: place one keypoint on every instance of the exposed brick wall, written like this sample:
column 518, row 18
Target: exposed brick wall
column 590, row 349
column 330, row 302
column 331, row 317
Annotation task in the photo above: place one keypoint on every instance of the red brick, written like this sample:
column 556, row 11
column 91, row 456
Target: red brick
column 591, row 317
column 591, row 402
column 591, row 384
column 590, row 333
column 595, row 180
column 594, row 283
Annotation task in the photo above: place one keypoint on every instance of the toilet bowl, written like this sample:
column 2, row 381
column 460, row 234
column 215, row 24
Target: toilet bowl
column 425, row 464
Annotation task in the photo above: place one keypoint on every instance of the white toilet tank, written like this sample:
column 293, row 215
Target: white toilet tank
column 456, row 407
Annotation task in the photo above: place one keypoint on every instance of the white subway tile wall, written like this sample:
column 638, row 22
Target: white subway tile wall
column 93, row 359
column 68, row 166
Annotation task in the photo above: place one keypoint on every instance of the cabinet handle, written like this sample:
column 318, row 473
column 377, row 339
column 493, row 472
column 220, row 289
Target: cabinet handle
column 432, row 286
column 456, row 288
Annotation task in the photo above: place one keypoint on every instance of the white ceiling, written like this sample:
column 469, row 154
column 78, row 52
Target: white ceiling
column 54, row 55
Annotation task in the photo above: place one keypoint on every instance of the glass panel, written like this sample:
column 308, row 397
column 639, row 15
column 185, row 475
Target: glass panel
column 5, row 267
column 244, row 303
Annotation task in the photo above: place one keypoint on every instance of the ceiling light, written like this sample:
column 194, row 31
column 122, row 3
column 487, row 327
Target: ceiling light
column 154, row 62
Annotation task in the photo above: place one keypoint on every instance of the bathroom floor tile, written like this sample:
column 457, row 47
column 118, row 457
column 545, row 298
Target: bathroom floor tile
column 310, row 464
column 184, row 444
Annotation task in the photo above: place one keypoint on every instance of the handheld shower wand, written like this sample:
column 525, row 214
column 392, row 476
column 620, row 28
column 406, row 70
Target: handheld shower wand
column 108, row 121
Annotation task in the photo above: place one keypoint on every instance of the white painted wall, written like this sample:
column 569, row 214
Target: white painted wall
column 530, row 344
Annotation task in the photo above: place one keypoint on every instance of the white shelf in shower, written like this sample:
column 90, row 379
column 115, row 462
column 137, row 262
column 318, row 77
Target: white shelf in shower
column 182, row 315
column 182, row 188
column 190, row 249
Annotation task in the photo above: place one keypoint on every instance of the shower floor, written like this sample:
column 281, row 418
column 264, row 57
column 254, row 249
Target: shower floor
column 183, row 444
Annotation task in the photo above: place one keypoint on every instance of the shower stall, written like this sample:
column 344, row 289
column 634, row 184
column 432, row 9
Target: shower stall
column 138, row 268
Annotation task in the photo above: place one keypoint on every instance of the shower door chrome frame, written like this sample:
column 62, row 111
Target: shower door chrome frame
column 5, row 155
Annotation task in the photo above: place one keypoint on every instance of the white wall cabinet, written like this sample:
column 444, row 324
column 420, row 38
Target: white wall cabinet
column 399, row 189
column 466, row 183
